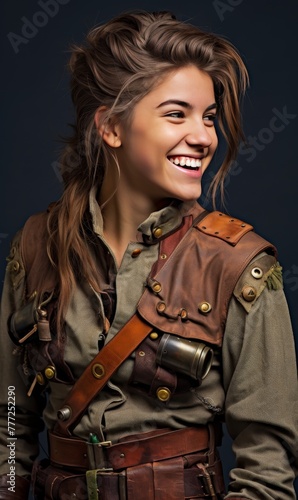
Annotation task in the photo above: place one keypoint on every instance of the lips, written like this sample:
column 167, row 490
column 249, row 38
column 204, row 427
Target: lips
column 187, row 162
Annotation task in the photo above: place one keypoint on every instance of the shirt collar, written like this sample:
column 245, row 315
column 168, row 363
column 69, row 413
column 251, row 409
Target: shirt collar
column 158, row 223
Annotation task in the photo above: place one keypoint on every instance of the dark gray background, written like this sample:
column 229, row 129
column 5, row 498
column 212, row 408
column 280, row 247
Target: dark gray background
column 36, row 110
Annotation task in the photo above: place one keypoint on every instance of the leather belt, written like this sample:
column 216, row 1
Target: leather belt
column 112, row 486
column 133, row 450
column 196, row 482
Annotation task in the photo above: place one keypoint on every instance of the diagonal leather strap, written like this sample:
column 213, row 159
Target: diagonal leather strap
column 99, row 371
column 106, row 362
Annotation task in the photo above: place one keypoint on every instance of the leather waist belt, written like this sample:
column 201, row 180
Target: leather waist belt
column 131, row 451
column 165, row 480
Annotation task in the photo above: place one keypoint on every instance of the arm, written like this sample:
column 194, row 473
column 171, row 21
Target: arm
column 24, row 422
column 260, row 381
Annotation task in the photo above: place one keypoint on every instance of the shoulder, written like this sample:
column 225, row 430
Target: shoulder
column 264, row 271
column 15, row 268
column 233, row 240
column 28, row 252
column 34, row 236
column 227, row 228
column 241, row 247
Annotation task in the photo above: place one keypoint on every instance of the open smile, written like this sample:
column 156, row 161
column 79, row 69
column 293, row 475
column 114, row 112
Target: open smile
column 186, row 162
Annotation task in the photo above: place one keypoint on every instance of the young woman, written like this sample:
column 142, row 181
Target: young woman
column 140, row 320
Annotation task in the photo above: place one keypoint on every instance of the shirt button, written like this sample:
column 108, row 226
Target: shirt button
column 50, row 372
column 249, row 293
column 136, row 252
column 157, row 232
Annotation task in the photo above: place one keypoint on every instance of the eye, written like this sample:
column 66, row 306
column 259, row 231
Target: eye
column 210, row 118
column 175, row 114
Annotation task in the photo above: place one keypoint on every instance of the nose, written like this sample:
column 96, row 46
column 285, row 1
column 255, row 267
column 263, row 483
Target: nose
column 200, row 135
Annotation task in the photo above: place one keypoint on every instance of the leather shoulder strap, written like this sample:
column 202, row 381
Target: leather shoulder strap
column 98, row 372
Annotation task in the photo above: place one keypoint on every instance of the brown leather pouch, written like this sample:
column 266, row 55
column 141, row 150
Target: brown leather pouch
column 47, row 481
column 16, row 488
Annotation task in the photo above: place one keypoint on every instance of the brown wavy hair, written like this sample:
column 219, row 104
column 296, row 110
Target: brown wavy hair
column 119, row 63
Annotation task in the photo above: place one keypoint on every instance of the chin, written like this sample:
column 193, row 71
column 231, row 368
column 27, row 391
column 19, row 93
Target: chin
column 190, row 196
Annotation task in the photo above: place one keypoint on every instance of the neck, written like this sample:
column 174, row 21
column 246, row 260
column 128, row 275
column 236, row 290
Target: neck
column 122, row 216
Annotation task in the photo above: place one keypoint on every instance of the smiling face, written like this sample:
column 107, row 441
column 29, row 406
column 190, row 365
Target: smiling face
column 170, row 139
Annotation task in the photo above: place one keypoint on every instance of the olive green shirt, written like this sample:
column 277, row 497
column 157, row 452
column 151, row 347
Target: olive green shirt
column 253, row 379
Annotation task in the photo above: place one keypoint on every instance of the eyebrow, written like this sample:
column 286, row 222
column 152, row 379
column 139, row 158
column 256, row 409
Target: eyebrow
column 184, row 104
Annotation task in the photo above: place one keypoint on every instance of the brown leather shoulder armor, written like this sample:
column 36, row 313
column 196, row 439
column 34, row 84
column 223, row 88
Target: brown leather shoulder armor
column 189, row 296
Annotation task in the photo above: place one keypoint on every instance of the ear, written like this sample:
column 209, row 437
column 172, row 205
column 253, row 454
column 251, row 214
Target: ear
column 107, row 128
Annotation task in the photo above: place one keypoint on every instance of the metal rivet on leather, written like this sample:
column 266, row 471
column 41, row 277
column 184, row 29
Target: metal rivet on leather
column 257, row 273
column 50, row 371
column 161, row 307
column 154, row 335
column 163, row 393
column 98, row 370
column 163, row 256
column 249, row 293
column 243, row 225
column 157, row 232
column 136, row 252
column 156, row 287
column 204, row 307
column 183, row 314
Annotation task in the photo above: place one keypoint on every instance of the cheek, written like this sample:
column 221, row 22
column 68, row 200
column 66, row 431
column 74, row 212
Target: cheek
column 214, row 140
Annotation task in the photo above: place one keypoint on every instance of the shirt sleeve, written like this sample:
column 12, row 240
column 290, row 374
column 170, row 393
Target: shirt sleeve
column 20, row 415
column 260, row 381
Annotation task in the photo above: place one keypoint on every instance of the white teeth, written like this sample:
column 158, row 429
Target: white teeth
column 186, row 161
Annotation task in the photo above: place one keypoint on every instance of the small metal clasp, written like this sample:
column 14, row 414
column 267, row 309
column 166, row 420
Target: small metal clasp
column 206, row 479
column 96, row 455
